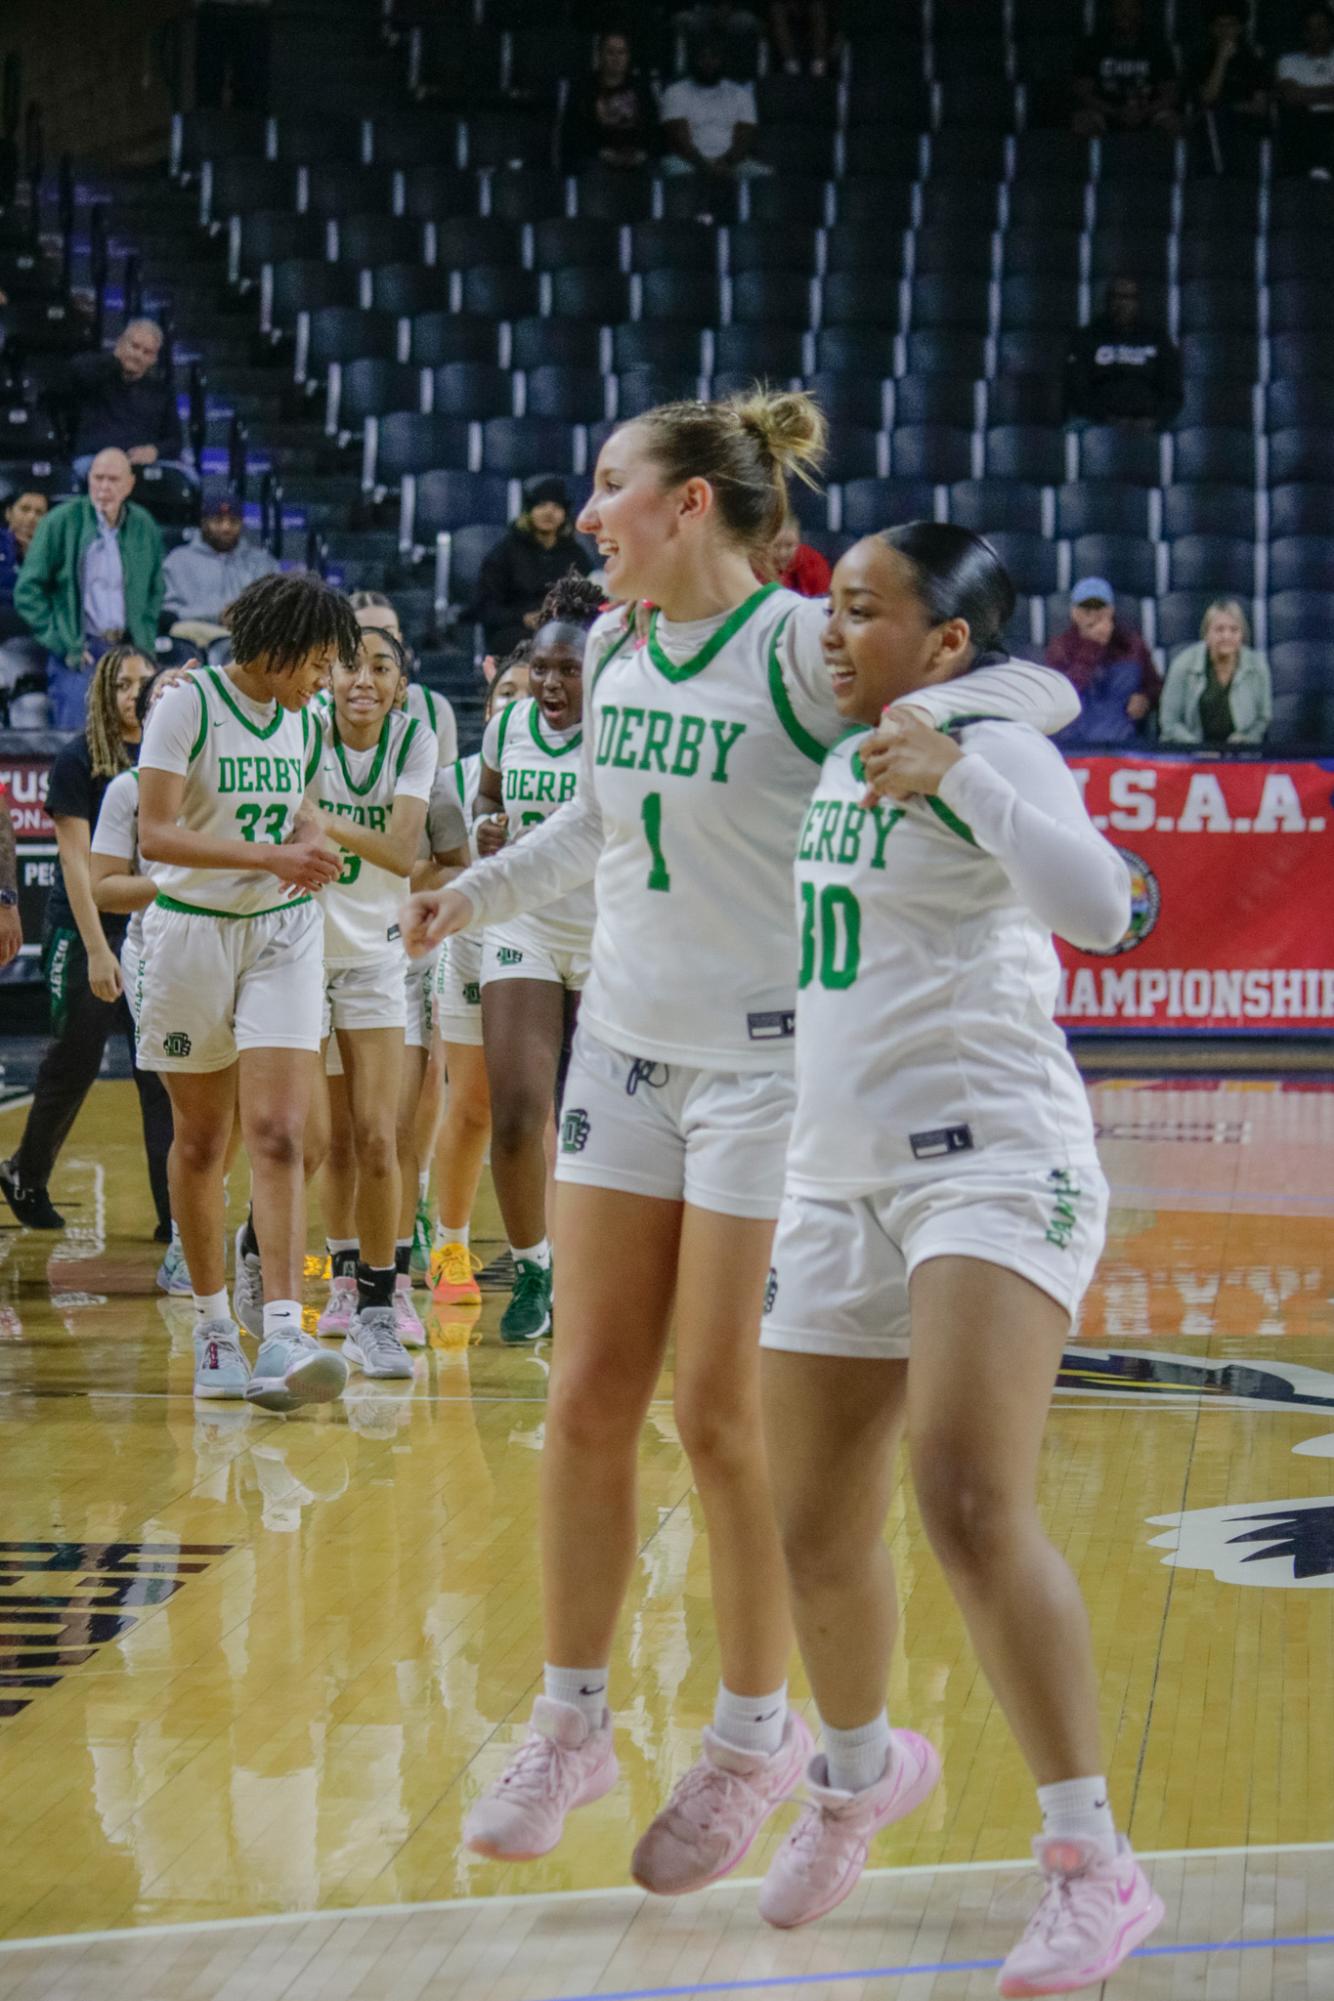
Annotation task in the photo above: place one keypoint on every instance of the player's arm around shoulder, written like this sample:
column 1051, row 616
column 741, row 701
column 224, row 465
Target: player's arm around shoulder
column 1014, row 797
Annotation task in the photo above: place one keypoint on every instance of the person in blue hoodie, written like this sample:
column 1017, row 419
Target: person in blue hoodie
column 1111, row 667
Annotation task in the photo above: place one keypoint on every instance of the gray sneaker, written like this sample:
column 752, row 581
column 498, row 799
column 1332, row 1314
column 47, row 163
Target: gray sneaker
column 374, row 1347
column 220, row 1367
column 173, row 1274
column 248, row 1290
column 292, row 1369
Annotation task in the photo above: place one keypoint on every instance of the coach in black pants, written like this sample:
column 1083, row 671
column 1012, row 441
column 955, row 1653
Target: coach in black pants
column 80, row 959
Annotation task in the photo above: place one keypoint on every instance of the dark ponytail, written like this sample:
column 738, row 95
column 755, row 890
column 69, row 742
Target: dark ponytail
column 956, row 574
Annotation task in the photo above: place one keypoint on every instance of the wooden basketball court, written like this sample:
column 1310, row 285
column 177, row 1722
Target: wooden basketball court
column 252, row 1668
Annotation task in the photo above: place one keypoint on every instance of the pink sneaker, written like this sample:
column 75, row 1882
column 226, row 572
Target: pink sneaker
column 407, row 1325
column 562, row 1764
column 340, row 1315
column 716, row 1811
column 1095, row 1910
column 825, row 1852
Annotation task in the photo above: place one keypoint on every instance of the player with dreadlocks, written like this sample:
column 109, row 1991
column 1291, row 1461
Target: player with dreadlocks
column 232, row 973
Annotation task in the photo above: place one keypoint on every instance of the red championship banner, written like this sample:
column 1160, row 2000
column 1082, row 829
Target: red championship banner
column 1232, row 913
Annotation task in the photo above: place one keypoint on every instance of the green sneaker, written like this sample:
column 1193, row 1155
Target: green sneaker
column 528, row 1315
column 419, row 1260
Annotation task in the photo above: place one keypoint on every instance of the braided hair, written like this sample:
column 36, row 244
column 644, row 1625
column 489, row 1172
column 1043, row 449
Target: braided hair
column 572, row 600
column 280, row 619
column 108, row 752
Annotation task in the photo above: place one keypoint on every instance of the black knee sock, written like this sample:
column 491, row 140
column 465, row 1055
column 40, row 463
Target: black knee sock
column 344, row 1264
column 403, row 1257
column 375, row 1285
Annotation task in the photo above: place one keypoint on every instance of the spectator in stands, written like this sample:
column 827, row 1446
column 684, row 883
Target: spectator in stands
column 533, row 554
column 1306, row 98
column 210, row 568
column 1125, row 79
column 121, row 399
column 709, row 121
column 796, row 565
column 1227, row 82
column 1110, row 665
column 92, row 578
column 22, row 513
column 1218, row 691
column 1122, row 368
column 611, row 117
column 736, row 30
column 802, row 32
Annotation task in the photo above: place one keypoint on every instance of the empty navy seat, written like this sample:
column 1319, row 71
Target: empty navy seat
column 438, row 337
column 773, row 299
column 1114, row 452
column 856, row 399
column 935, row 452
column 870, row 505
column 342, row 333
column 1025, row 451
column 412, row 443
column 1222, row 564
column 655, row 344
column 472, row 389
column 1129, row 563
column 1102, row 507
column 759, row 351
column 1026, row 399
column 408, row 289
column 369, row 388
column 1217, row 456
column 1301, row 509
column 582, row 294
column 1301, row 615
column 1301, row 455
column 674, row 246
column 1031, row 561
column 571, row 395
column 771, row 246
column 989, row 506
column 567, row 240
column 1301, row 563
column 521, row 447
column 1209, row 509
column 643, row 389
column 854, row 453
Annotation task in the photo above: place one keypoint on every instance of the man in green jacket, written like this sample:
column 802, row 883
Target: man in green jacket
column 92, row 579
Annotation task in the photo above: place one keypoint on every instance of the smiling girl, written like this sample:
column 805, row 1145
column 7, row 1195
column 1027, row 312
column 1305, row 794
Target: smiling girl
column 376, row 770
column 943, row 1213
column 232, row 968
column 704, row 724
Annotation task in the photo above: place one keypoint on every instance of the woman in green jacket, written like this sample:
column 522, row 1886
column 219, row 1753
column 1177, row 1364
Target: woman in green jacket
column 1218, row 692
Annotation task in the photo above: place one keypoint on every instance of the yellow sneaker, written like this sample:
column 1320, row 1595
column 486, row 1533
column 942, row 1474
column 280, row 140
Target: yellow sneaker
column 454, row 1270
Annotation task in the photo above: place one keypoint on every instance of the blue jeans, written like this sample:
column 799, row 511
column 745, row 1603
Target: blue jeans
column 67, row 687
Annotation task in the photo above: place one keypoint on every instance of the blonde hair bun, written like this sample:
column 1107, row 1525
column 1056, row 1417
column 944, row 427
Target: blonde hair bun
column 790, row 426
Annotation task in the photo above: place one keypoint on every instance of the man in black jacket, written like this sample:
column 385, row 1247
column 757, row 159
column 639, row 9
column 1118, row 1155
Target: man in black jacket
column 535, row 552
column 1121, row 368
column 121, row 399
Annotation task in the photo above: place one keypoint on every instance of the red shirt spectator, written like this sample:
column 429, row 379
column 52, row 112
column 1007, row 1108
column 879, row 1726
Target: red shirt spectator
column 797, row 566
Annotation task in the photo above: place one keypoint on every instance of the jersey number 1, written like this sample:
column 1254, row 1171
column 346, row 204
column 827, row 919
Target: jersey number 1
column 831, row 933
column 659, row 876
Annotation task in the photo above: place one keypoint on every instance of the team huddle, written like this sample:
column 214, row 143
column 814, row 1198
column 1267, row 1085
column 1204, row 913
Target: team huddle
column 810, row 956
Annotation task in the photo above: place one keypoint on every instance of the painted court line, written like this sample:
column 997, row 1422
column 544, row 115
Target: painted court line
column 439, row 1906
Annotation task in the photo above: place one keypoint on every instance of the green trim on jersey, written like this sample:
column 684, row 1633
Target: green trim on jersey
column 609, row 656
column 963, row 722
column 783, row 709
column 406, row 745
column 551, row 749
column 254, row 729
column 202, row 735
column 711, row 648
column 502, row 728
column 460, row 782
column 165, row 902
column 377, row 762
column 429, row 700
column 951, row 820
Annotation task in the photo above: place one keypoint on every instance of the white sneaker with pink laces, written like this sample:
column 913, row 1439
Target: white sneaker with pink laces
column 407, row 1323
column 561, row 1765
column 1095, row 1910
column 340, row 1315
column 825, row 1851
column 716, row 1811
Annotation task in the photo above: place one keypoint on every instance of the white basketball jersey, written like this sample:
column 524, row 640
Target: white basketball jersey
column 361, row 908
column 117, row 834
column 246, row 768
column 539, row 771
column 436, row 717
column 925, row 1037
column 702, row 772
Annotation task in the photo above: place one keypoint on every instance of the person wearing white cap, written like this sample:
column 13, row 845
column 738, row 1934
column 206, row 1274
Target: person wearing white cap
column 1110, row 665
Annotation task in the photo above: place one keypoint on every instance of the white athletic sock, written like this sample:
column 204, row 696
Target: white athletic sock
column 1078, row 1809
column 334, row 1244
column 751, row 1722
column 536, row 1254
column 857, row 1758
column 584, row 1689
column 281, row 1317
column 452, row 1233
column 212, row 1305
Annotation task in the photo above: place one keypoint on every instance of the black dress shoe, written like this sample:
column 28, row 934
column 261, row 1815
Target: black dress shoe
column 33, row 1206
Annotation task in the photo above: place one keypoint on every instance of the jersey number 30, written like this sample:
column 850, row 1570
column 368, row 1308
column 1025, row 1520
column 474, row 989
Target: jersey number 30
column 831, row 936
column 250, row 814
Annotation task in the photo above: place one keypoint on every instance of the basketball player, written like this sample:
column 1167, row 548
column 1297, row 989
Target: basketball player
column 943, row 1213
column 704, row 725
column 375, row 775
column 534, row 968
column 232, row 972
column 466, row 1126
